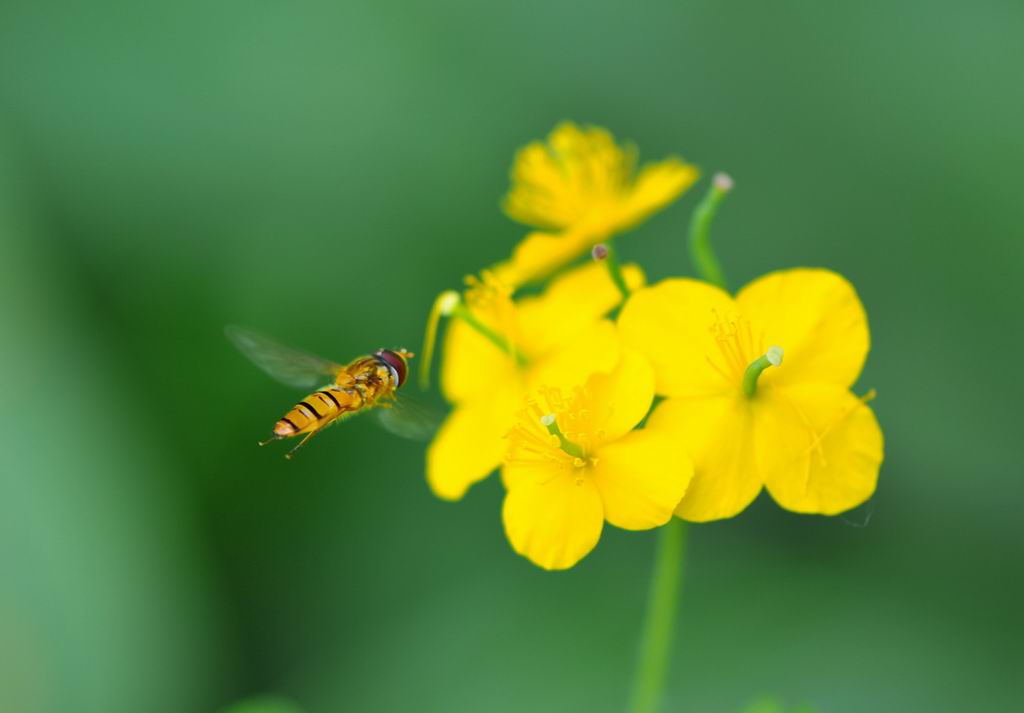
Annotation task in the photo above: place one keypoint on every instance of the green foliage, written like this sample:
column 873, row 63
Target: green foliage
column 772, row 705
column 321, row 174
column 264, row 704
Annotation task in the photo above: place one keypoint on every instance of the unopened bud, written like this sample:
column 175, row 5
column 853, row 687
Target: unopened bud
column 723, row 181
column 447, row 302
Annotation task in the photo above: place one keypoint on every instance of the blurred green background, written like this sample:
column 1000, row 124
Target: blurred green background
column 320, row 172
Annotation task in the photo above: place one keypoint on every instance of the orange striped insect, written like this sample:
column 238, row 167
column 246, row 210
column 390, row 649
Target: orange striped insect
column 369, row 382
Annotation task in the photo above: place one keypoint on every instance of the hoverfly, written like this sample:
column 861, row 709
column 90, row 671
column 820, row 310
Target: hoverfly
column 368, row 382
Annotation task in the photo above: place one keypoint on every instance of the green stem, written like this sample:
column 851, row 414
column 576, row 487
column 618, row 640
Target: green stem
column 666, row 578
column 701, row 253
column 660, row 620
column 611, row 259
column 462, row 312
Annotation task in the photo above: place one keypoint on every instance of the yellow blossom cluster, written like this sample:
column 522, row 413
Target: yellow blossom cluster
column 580, row 188
column 560, row 389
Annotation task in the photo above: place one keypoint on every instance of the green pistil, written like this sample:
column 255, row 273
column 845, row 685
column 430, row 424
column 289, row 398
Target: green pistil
column 773, row 357
column 551, row 423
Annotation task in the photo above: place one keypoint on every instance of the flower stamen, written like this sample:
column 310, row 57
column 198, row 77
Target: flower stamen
column 554, row 430
column 818, row 438
column 734, row 337
column 720, row 370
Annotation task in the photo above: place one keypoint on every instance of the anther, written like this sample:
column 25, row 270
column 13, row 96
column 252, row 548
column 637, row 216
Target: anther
column 773, row 357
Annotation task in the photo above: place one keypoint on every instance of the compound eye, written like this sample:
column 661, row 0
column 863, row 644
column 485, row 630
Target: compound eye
column 397, row 362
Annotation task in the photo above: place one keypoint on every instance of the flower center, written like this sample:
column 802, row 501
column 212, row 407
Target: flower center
column 740, row 357
column 772, row 357
column 550, row 421
column 737, row 346
column 554, row 430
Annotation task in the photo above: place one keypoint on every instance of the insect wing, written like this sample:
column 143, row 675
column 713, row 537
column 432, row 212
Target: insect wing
column 289, row 366
column 409, row 418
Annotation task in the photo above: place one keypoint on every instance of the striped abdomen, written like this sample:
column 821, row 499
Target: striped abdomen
column 318, row 409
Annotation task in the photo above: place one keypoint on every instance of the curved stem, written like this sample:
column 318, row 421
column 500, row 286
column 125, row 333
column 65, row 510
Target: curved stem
column 443, row 306
column 670, row 558
column 660, row 620
column 611, row 259
column 701, row 253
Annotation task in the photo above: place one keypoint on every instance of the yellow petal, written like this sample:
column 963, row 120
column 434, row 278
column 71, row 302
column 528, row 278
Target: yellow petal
column 819, row 447
column 571, row 304
column 642, row 477
column 816, row 317
column 556, row 185
column 657, row 185
column 619, row 400
column 583, row 183
column 471, row 442
column 670, row 324
column 554, row 518
column 595, row 350
column 539, row 254
column 718, row 434
column 471, row 364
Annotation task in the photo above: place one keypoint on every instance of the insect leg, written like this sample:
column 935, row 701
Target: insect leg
column 309, row 435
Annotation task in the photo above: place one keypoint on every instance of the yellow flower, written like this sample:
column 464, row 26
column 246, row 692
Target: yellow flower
column 759, row 389
column 558, row 337
column 574, row 461
column 580, row 188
